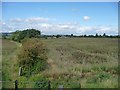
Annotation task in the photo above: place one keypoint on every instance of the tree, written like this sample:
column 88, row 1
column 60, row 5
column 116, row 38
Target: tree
column 96, row 35
column 57, row 36
column 100, row 35
column 32, row 56
column 85, row 35
column 104, row 35
column 29, row 33
column 72, row 35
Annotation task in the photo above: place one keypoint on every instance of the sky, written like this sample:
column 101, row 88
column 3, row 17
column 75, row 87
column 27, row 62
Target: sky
column 61, row 17
column 60, row 0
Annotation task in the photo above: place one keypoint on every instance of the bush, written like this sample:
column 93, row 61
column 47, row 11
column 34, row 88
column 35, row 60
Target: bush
column 32, row 56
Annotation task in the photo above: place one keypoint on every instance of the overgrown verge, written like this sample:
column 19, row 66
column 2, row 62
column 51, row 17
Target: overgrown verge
column 32, row 56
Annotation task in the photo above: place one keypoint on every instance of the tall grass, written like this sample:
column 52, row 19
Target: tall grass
column 82, row 58
column 91, row 62
column 8, row 63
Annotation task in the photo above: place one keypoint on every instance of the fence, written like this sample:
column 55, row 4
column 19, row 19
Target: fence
column 15, row 84
column 40, row 85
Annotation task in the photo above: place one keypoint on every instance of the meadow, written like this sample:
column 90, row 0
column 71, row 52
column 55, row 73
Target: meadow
column 89, row 62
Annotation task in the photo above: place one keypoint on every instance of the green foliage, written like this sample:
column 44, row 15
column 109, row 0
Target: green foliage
column 29, row 33
column 22, row 82
column 35, row 81
column 98, row 78
column 15, row 35
column 6, row 76
column 32, row 56
column 40, row 81
column 73, row 85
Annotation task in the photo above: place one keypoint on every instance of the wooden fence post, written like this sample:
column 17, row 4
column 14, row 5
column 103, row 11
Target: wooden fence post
column 80, row 86
column 20, row 71
column 48, row 85
column 16, row 84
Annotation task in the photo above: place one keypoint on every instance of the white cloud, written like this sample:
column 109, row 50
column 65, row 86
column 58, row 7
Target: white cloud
column 29, row 20
column 3, row 23
column 97, row 29
column 55, row 28
column 63, row 26
column 36, row 19
column 86, row 18
column 45, row 25
column 6, row 28
column 16, row 20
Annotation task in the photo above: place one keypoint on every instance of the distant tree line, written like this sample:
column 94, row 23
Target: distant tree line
column 29, row 33
column 72, row 35
column 5, row 35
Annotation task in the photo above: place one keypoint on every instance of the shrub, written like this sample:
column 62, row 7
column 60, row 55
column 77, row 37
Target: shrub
column 32, row 56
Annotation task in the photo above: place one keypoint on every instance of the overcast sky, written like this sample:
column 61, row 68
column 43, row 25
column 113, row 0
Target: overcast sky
column 61, row 17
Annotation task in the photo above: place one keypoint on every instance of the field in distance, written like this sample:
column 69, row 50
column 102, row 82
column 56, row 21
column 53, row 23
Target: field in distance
column 91, row 62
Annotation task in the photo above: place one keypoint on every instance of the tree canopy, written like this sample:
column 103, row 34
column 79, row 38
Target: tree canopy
column 29, row 33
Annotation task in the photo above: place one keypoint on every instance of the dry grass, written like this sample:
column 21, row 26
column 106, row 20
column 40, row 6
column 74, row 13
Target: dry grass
column 82, row 58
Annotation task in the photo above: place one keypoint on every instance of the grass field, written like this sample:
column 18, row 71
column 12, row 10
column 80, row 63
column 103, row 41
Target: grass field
column 8, row 54
column 91, row 62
